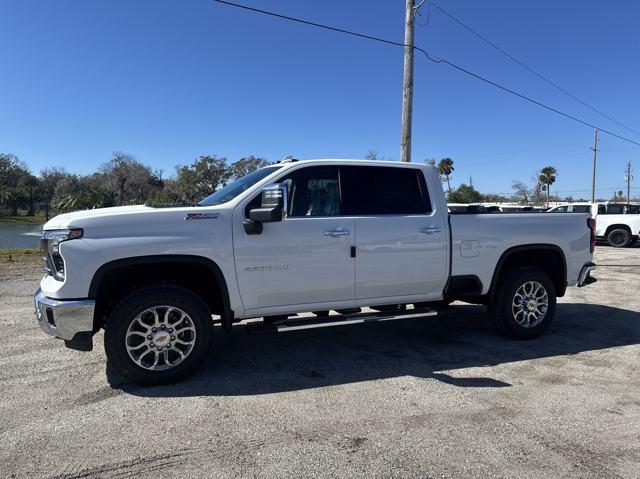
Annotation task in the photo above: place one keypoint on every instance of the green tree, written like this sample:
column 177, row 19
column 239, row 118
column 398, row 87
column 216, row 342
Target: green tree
column 464, row 194
column 445, row 168
column 244, row 166
column 18, row 187
column 85, row 192
column 51, row 180
column 204, row 176
column 547, row 177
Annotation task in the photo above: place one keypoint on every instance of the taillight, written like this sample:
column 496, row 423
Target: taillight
column 591, row 223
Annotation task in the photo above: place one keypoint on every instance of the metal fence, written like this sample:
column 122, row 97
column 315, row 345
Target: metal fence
column 21, row 224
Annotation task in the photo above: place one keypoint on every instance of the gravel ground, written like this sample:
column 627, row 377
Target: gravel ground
column 443, row 397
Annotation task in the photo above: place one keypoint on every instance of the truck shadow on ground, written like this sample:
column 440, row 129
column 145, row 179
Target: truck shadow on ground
column 242, row 364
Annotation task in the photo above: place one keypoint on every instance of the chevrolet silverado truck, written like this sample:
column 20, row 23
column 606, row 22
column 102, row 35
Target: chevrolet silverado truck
column 323, row 237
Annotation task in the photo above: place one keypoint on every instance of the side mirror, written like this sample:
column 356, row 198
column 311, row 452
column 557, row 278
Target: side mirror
column 273, row 208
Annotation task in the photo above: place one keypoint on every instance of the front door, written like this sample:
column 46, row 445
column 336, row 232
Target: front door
column 304, row 259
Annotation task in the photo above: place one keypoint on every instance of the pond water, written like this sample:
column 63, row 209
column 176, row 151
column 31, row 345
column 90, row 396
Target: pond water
column 19, row 236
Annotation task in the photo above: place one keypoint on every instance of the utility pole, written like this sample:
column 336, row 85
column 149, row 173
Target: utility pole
column 407, row 84
column 628, row 177
column 595, row 157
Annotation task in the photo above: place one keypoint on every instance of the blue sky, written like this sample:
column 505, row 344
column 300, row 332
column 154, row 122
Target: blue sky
column 169, row 80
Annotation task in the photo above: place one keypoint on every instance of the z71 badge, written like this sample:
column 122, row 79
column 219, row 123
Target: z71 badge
column 201, row 216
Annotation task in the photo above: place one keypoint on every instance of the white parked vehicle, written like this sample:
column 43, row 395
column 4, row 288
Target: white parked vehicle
column 492, row 208
column 617, row 224
column 298, row 236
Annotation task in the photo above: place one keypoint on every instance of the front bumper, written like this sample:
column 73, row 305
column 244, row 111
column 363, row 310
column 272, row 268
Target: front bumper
column 585, row 277
column 64, row 319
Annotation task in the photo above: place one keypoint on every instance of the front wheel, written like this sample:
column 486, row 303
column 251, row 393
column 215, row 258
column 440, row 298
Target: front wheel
column 158, row 335
column 524, row 303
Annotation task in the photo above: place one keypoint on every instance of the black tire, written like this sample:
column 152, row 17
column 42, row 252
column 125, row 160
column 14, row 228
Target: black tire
column 198, row 320
column 503, row 306
column 619, row 238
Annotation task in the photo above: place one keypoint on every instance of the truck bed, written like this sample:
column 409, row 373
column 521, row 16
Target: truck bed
column 479, row 240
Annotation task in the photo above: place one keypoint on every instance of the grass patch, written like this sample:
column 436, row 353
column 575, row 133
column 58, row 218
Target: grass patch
column 20, row 255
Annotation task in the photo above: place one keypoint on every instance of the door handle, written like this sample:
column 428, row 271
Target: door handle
column 337, row 232
column 430, row 230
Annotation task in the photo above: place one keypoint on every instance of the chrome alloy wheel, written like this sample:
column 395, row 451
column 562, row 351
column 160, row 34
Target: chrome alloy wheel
column 160, row 338
column 530, row 304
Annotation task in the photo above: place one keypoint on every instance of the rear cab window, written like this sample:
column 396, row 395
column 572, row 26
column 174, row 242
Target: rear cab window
column 581, row 209
column 380, row 190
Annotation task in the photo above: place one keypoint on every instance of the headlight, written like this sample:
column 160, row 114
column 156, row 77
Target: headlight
column 51, row 246
column 53, row 238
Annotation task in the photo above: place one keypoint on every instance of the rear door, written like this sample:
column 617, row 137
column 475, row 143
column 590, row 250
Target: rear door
column 401, row 240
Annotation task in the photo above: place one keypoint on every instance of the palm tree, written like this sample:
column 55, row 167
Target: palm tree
column 547, row 177
column 445, row 168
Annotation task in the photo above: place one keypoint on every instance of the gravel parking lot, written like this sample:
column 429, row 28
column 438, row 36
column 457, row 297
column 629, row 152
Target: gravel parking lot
column 423, row 398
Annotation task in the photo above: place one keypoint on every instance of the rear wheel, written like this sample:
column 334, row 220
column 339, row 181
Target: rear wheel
column 619, row 238
column 158, row 335
column 524, row 303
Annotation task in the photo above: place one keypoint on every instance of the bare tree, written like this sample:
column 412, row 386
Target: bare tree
column 536, row 192
column 372, row 155
column 128, row 179
column 521, row 192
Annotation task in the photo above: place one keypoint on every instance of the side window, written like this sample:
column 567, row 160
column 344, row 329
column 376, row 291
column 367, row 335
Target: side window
column 560, row 209
column 602, row 210
column 633, row 209
column 615, row 209
column 581, row 209
column 313, row 191
column 379, row 190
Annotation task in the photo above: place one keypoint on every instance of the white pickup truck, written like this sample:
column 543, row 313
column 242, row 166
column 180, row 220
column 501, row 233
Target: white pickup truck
column 297, row 237
column 617, row 224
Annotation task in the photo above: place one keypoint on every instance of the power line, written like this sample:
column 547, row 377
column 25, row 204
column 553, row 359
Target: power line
column 429, row 57
column 428, row 15
column 529, row 69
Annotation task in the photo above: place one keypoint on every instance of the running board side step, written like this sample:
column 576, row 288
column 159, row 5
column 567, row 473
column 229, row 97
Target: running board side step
column 339, row 320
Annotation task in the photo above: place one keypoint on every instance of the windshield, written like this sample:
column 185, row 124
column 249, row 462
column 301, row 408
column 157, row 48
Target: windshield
column 230, row 191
